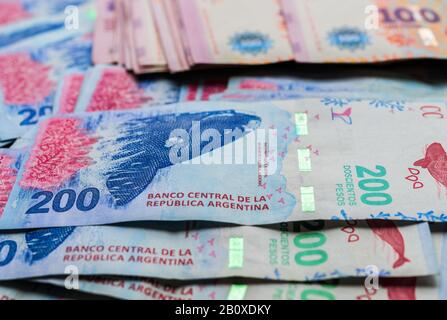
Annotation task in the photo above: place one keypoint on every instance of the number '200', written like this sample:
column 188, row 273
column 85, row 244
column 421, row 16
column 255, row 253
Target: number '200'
column 64, row 200
column 375, row 187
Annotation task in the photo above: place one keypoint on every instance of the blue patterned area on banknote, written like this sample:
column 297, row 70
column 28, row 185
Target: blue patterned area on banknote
column 29, row 74
column 20, row 20
column 265, row 88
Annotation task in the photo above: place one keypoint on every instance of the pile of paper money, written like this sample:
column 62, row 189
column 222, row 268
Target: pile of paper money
column 325, row 183
column 176, row 35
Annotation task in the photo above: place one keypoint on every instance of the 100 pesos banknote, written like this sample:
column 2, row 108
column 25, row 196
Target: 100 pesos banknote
column 234, row 162
column 301, row 251
column 408, row 288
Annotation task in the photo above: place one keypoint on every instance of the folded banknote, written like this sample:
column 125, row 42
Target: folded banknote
column 368, row 288
column 300, row 251
column 233, row 162
column 423, row 288
column 181, row 35
column 68, row 92
column 27, row 290
column 353, row 84
column 113, row 88
column 24, row 19
column 293, row 251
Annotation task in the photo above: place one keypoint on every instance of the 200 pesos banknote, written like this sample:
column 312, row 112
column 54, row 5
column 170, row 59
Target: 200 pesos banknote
column 10, row 161
column 423, row 288
column 68, row 92
column 233, row 162
column 301, row 251
column 362, row 87
column 254, row 39
column 23, row 291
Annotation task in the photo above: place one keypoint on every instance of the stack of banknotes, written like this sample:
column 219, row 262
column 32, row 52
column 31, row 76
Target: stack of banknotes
column 175, row 35
column 255, row 185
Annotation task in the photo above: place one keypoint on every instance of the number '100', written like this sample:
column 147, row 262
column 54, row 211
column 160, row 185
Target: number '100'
column 64, row 200
column 310, row 242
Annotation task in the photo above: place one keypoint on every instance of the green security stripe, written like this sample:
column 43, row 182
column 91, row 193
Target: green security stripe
column 236, row 252
column 91, row 14
column 237, row 292
column 301, row 124
column 307, row 199
column 304, row 161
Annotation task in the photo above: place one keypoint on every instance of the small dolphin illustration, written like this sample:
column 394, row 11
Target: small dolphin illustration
column 436, row 162
column 147, row 143
column 345, row 116
column 387, row 231
column 42, row 242
column 400, row 288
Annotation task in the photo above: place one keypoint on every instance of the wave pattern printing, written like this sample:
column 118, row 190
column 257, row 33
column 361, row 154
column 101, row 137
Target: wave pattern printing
column 117, row 90
column 12, row 12
column 24, row 81
column 42, row 242
column 144, row 150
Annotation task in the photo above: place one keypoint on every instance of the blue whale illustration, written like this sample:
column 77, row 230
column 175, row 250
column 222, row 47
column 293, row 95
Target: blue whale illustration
column 42, row 242
column 145, row 149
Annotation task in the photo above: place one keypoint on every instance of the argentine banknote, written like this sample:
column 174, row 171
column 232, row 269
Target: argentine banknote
column 301, row 251
column 147, row 48
column 21, row 290
column 368, row 288
column 105, row 37
column 68, row 92
column 423, row 288
column 23, row 19
column 29, row 74
column 255, row 38
column 365, row 30
column 10, row 161
column 233, row 162
column 363, row 87
column 113, row 88
column 5, row 143
column 128, row 27
column 171, row 32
